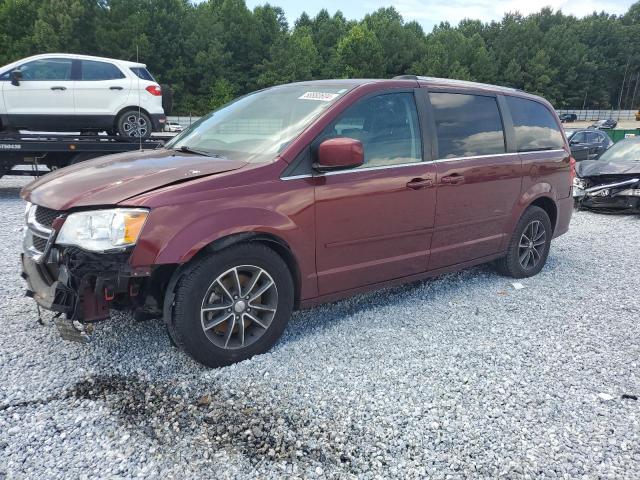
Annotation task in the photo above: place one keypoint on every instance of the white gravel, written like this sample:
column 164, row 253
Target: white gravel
column 462, row 376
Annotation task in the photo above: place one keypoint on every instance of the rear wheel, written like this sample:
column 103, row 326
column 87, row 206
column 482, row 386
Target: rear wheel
column 529, row 245
column 232, row 305
column 134, row 124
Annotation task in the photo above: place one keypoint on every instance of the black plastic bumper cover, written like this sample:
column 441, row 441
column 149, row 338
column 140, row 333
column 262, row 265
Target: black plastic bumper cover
column 56, row 296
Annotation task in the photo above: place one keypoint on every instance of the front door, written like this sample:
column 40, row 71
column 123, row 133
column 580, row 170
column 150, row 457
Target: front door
column 374, row 223
column 44, row 97
column 479, row 183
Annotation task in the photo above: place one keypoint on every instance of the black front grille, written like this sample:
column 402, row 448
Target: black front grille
column 46, row 216
column 39, row 243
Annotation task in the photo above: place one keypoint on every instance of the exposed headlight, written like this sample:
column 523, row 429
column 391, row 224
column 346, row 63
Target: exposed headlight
column 580, row 183
column 102, row 230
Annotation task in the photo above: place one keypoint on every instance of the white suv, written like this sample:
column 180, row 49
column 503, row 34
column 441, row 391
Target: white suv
column 69, row 93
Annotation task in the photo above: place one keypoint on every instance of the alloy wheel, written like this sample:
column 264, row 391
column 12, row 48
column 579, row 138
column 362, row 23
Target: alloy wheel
column 135, row 125
column 531, row 247
column 239, row 306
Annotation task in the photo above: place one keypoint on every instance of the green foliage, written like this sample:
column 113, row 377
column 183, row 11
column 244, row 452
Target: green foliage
column 360, row 54
column 214, row 50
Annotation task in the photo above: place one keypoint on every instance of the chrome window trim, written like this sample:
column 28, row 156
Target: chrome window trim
column 401, row 165
column 555, row 150
column 470, row 157
column 353, row 170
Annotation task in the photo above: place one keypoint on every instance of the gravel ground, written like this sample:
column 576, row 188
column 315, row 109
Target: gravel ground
column 462, row 376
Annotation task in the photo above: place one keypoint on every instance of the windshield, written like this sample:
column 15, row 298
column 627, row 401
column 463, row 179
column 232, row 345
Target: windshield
column 623, row 151
column 257, row 127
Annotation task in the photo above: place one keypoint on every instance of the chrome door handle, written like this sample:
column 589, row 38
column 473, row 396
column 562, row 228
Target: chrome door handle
column 418, row 183
column 58, row 88
column 453, row 179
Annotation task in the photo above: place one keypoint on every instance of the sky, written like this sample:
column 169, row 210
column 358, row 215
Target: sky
column 430, row 13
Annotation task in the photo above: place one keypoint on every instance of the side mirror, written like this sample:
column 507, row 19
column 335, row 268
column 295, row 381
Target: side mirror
column 338, row 154
column 16, row 76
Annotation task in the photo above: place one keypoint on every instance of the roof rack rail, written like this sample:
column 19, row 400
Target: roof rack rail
column 405, row 77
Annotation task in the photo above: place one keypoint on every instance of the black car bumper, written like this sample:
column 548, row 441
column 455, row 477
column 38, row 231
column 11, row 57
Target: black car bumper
column 616, row 203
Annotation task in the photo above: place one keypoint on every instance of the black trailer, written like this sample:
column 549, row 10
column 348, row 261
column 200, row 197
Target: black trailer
column 53, row 151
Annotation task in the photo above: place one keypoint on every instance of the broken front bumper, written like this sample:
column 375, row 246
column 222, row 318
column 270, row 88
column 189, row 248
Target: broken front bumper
column 82, row 285
column 622, row 195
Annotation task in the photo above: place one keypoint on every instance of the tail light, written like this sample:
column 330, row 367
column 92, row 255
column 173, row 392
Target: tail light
column 572, row 169
column 154, row 90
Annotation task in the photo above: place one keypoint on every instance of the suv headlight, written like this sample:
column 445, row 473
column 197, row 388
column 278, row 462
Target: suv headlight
column 101, row 230
column 579, row 183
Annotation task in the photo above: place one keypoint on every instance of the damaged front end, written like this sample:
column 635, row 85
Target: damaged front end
column 612, row 193
column 81, row 286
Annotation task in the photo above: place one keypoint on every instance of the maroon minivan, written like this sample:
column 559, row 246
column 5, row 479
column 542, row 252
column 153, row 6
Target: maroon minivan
column 296, row 195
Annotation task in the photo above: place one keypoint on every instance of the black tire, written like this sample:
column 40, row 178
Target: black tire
column 134, row 124
column 198, row 283
column 516, row 263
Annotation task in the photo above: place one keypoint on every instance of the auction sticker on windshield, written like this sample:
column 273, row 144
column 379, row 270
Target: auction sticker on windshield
column 320, row 96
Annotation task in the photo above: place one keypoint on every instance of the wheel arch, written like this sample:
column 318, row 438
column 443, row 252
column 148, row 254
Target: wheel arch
column 540, row 196
column 124, row 109
column 549, row 206
column 274, row 242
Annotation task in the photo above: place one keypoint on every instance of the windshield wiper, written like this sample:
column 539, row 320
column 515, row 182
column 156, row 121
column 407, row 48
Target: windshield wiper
column 186, row 149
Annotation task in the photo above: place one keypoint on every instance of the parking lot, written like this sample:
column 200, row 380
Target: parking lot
column 461, row 376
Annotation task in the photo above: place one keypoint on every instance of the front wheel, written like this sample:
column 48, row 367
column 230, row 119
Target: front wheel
column 232, row 304
column 134, row 124
column 529, row 245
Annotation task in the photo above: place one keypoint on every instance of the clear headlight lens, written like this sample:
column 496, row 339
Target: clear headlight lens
column 580, row 183
column 101, row 230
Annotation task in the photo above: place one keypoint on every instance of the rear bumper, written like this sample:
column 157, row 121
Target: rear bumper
column 158, row 121
column 565, row 210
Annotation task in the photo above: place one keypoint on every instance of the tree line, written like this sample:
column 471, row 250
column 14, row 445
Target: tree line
column 212, row 51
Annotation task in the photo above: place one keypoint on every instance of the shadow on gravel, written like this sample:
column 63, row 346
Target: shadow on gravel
column 219, row 420
column 307, row 322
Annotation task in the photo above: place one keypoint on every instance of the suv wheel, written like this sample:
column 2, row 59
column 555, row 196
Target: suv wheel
column 232, row 305
column 134, row 124
column 529, row 245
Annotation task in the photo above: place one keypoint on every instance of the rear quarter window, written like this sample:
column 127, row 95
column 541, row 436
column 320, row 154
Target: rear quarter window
column 535, row 126
column 143, row 73
column 93, row 71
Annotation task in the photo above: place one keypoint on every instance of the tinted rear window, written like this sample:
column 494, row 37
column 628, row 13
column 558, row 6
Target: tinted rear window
column 143, row 73
column 92, row 71
column 535, row 126
column 467, row 125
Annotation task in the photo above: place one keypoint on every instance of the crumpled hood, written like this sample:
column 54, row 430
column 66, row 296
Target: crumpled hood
column 115, row 178
column 593, row 168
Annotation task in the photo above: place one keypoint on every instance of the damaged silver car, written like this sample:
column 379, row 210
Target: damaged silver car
column 612, row 182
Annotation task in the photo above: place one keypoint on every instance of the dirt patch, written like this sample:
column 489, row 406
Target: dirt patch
column 226, row 420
